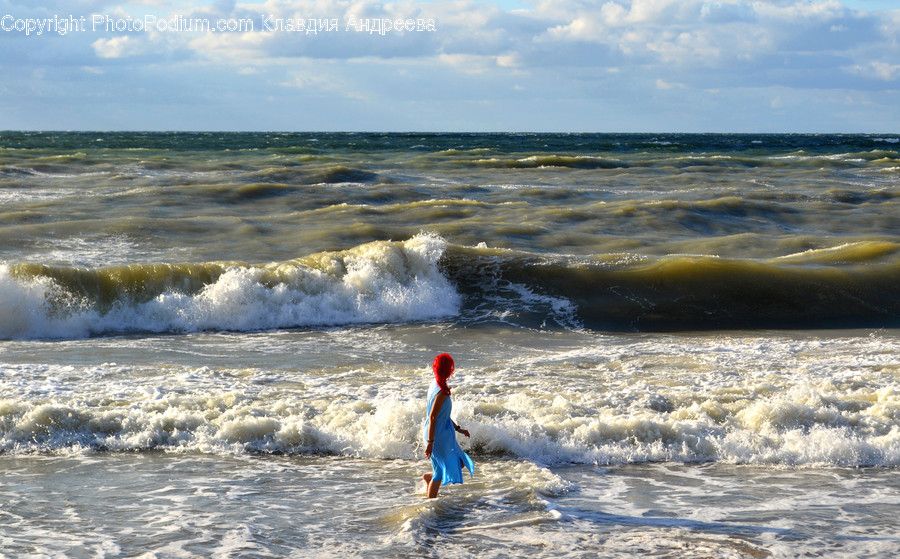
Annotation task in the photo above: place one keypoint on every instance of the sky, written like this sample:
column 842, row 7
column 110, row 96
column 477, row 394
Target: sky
column 453, row 65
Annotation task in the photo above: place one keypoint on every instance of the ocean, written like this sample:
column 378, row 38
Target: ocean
column 666, row 345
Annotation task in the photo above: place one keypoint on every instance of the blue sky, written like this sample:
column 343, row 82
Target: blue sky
column 506, row 65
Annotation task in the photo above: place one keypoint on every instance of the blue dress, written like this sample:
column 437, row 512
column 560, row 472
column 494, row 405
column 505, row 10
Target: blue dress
column 447, row 459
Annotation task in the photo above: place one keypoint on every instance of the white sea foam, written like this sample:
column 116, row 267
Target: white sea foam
column 374, row 283
column 25, row 311
column 742, row 401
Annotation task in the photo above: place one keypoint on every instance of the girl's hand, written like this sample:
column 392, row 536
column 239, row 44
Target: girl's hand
column 428, row 448
column 465, row 432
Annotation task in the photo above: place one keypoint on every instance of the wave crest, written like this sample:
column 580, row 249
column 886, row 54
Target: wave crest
column 373, row 283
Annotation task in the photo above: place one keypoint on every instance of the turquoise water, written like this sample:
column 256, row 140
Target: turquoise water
column 218, row 344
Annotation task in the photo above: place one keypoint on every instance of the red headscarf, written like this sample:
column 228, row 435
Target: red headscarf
column 443, row 368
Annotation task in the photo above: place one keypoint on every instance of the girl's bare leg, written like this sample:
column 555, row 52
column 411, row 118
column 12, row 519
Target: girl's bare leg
column 433, row 488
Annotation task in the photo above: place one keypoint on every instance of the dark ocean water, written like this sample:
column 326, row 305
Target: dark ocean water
column 637, row 232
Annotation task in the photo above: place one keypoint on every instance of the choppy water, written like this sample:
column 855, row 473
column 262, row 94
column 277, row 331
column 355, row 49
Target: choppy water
column 217, row 344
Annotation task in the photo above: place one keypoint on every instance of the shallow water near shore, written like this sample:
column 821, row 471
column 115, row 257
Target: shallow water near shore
column 163, row 505
column 725, row 445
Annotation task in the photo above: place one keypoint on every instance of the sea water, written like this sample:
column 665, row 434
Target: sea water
column 667, row 345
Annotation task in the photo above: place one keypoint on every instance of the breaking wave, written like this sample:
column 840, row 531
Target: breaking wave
column 379, row 282
column 424, row 278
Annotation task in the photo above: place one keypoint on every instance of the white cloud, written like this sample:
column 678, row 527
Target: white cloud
column 468, row 63
column 697, row 46
column 661, row 84
column 321, row 84
column 662, row 12
column 727, row 12
column 697, row 34
column 508, row 60
column 801, row 11
column 884, row 71
column 612, row 13
column 231, row 47
column 596, row 55
column 116, row 47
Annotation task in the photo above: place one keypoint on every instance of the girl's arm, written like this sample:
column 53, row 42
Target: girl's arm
column 459, row 430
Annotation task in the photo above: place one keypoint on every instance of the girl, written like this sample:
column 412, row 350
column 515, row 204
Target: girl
column 447, row 459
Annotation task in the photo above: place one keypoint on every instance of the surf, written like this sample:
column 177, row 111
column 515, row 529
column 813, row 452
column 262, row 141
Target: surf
column 378, row 282
column 848, row 286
